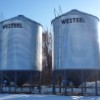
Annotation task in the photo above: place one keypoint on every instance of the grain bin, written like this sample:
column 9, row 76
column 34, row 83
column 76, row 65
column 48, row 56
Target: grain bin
column 76, row 45
column 21, row 48
column 0, row 42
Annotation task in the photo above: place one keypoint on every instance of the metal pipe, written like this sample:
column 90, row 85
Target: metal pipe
column 96, row 86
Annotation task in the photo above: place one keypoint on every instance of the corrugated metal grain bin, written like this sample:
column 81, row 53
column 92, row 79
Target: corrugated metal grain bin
column 0, row 43
column 21, row 44
column 21, row 50
column 75, row 41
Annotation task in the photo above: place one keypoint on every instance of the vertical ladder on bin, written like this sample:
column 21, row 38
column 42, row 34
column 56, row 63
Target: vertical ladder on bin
column 59, row 43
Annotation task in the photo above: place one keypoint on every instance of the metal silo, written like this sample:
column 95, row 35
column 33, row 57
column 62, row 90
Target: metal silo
column 76, row 47
column 0, row 44
column 21, row 47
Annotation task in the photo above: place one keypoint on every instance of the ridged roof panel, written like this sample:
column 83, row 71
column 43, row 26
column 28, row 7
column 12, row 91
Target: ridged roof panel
column 75, row 12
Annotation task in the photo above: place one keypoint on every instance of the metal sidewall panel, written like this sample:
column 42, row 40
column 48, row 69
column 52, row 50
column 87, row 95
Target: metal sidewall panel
column 76, row 43
column 21, row 45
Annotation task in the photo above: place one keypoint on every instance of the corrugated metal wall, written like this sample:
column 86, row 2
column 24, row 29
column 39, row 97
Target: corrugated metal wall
column 21, row 47
column 76, row 41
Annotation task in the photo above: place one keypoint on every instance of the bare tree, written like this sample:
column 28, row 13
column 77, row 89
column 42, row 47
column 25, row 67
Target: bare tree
column 47, row 56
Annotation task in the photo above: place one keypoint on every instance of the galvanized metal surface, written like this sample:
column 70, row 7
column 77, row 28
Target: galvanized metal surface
column 0, row 42
column 21, row 47
column 76, row 41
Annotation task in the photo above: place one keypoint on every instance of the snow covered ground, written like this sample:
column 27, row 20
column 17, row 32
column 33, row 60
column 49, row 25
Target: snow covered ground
column 47, row 90
column 45, row 97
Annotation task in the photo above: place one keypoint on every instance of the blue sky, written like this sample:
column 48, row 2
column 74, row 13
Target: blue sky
column 42, row 11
